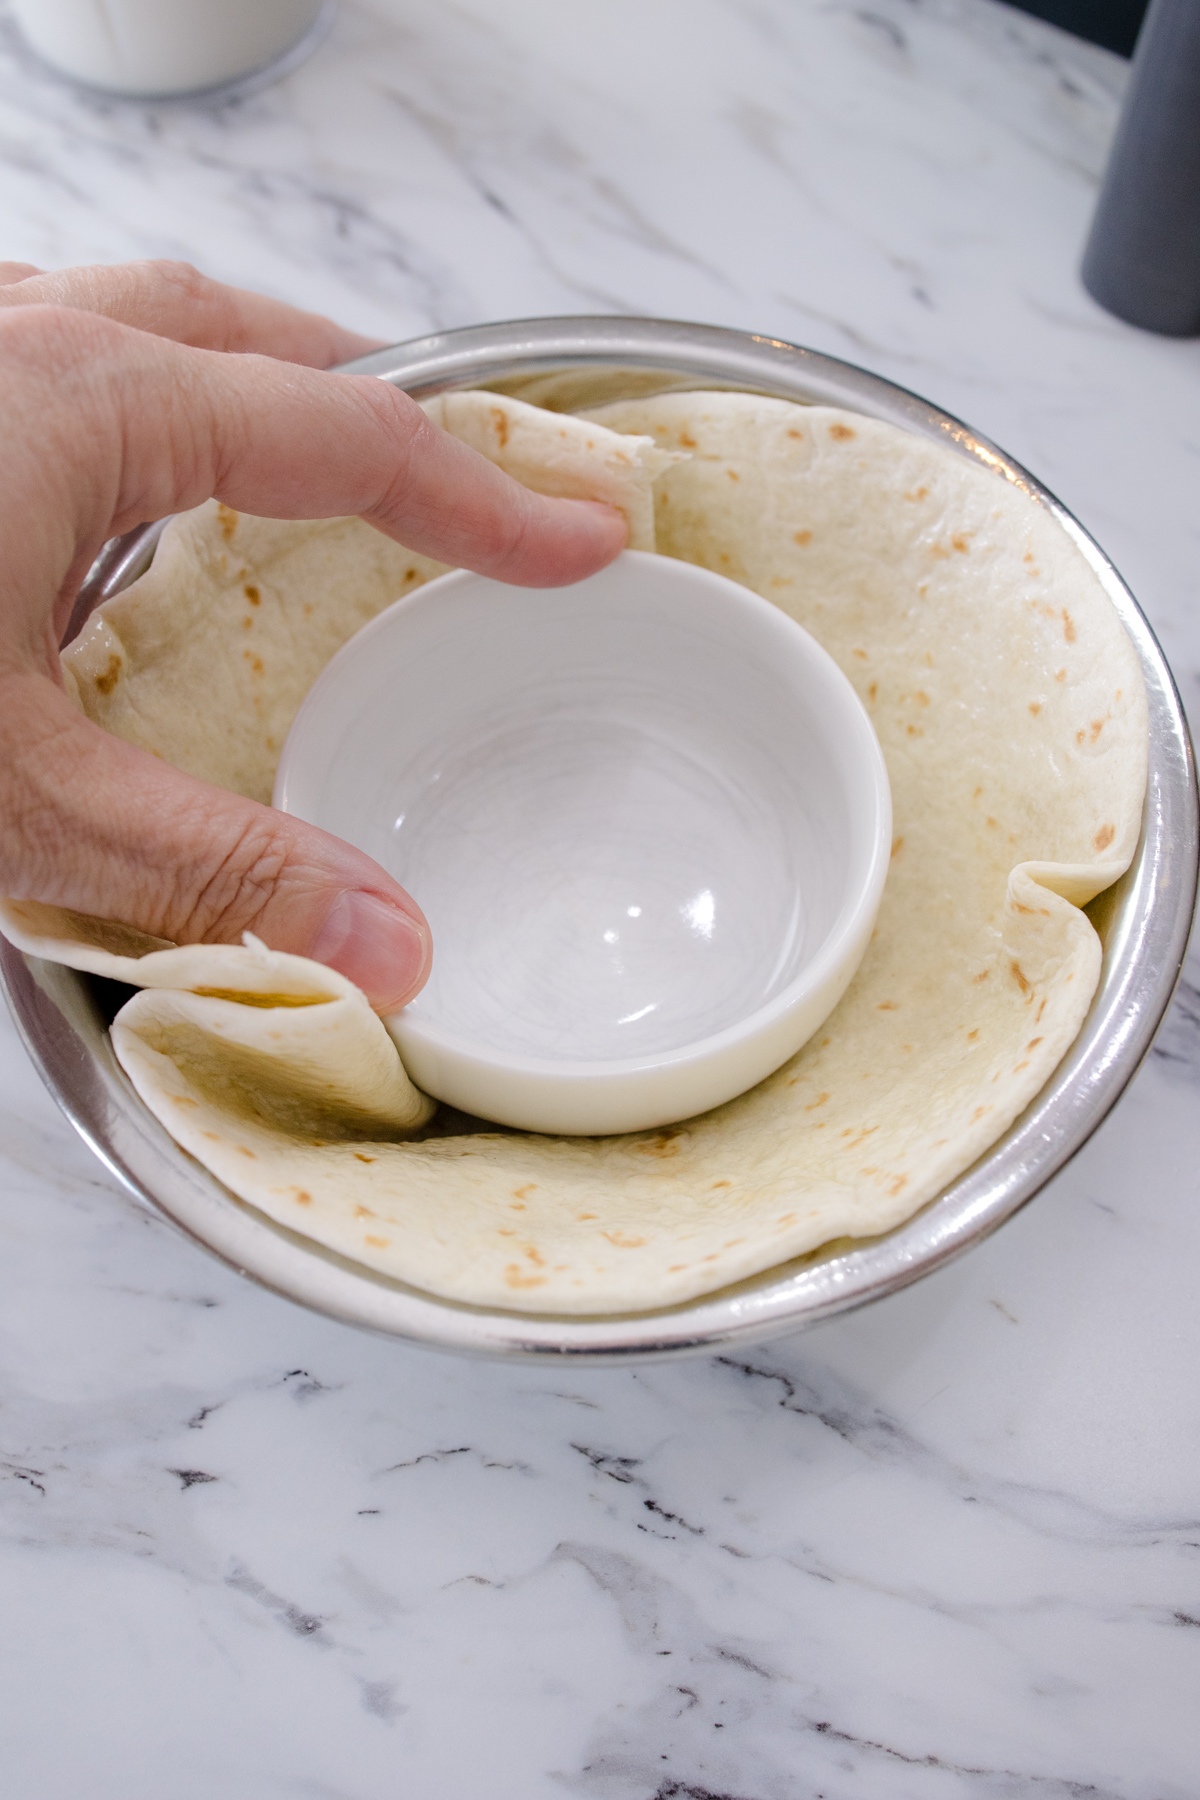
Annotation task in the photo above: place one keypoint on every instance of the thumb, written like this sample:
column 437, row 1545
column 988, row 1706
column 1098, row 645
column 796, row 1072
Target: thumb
column 94, row 824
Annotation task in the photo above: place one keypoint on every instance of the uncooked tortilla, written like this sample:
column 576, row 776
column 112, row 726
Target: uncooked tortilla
column 1012, row 714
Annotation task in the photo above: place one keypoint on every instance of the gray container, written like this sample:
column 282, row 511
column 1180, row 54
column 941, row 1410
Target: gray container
column 1142, row 260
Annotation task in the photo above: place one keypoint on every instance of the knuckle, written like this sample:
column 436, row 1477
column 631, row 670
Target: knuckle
column 183, row 277
column 237, row 892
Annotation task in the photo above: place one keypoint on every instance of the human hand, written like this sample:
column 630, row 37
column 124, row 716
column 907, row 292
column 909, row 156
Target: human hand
column 134, row 392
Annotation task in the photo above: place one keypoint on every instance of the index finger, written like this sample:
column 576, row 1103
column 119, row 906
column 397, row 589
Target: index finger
column 174, row 300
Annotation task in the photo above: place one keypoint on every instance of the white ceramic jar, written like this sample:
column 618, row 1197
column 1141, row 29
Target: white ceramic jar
column 160, row 48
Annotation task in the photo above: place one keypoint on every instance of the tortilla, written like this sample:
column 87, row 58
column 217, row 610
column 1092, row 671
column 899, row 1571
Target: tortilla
column 1011, row 710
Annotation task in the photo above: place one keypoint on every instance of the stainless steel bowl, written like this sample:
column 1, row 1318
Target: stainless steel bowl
column 1143, row 921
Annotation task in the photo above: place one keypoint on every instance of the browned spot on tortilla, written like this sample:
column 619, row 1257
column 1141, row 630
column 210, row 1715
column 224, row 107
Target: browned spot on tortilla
column 1033, row 1043
column 182, row 1100
column 914, row 731
column 871, row 1169
column 1035, row 707
column 1019, row 976
column 500, row 421
column 939, row 550
column 517, row 1206
column 887, row 1006
column 247, row 622
column 662, row 1145
column 982, row 975
column 1041, row 1009
column 229, row 520
column 245, row 999
column 718, row 1184
column 1028, row 557
column 921, row 493
column 582, row 1216
column 359, row 1157
column 971, row 1036
column 308, row 609
column 961, row 542
column 977, row 793
column 377, row 1243
column 841, row 433
column 303, row 1197
column 897, row 847
column 859, row 653
column 819, row 1101
column 1068, row 626
column 1017, row 1067
column 901, row 1181
column 623, row 1240
column 523, row 1193
column 793, row 433
column 252, row 594
column 802, row 537
column 256, row 662
column 107, row 682
column 515, row 1277
column 979, row 1112
column 686, row 440
column 872, row 692
column 242, row 1151
column 921, row 697
column 733, row 475
column 1018, row 907
column 1104, row 837
column 364, row 1212
column 1097, row 726
column 676, row 1268
column 410, row 574
column 211, row 1134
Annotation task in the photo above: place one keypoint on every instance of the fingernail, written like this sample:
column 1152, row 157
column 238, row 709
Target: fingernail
column 375, row 945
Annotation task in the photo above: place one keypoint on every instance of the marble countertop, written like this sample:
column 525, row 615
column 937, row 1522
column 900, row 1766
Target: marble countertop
column 947, row 1548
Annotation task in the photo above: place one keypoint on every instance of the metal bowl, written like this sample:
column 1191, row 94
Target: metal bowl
column 1144, row 920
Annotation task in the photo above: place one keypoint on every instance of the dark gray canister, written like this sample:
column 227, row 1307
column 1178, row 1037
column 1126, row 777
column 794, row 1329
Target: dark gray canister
column 1142, row 260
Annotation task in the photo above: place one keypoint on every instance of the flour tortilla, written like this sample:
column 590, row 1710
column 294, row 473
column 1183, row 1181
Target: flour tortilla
column 1012, row 714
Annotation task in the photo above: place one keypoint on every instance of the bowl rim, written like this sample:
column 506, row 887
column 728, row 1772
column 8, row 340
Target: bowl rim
column 1145, row 920
column 851, row 923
